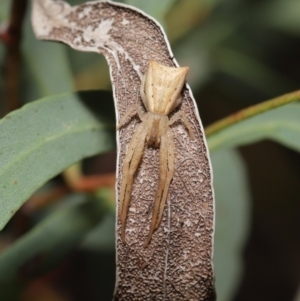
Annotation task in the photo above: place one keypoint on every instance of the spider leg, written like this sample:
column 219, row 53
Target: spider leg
column 166, row 164
column 130, row 165
column 133, row 110
column 181, row 116
column 142, row 91
column 171, row 169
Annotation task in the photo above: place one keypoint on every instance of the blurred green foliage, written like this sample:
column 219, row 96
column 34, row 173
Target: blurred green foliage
column 240, row 52
column 30, row 140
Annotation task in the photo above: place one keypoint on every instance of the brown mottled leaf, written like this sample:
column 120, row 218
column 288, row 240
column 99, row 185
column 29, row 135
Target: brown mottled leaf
column 176, row 265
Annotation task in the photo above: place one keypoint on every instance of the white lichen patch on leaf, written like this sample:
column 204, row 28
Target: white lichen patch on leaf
column 100, row 34
column 85, row 13
column 125, row 22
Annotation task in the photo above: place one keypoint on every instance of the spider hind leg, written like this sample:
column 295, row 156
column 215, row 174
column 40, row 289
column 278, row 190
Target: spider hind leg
column 166, row 165
column 131, row 163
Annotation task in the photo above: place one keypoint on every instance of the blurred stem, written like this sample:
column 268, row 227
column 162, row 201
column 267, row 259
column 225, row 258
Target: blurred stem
column 11, row 37
column 252, row 111
column 79, row 182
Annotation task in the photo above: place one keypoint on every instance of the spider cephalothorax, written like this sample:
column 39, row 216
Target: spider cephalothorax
column 161, row 89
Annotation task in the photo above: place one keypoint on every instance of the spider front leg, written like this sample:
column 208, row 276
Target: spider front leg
column 181, row 116
column 133, row 110
column 130, row 165
column 166, row 172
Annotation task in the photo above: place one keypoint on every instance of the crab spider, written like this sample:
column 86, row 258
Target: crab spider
column 161, row 88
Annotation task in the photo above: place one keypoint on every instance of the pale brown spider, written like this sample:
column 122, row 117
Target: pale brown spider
column 161, row 89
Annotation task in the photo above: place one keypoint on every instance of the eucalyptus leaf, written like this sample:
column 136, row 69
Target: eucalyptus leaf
column 45, row 137
column 251, row 70
column 195, row 49
column 232, row 220
column 4, row 10
column 47, row 70
column 282, row 15
column 281, row 125
column 101, row 237
column 48, row 243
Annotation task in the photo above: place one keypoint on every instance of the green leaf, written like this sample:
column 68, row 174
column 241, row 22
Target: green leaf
column 251, row 70
column 281, row 125
column 282, row 15
column 47, row 69
column 45, row 137
column 232, row 220
column 47, row 244
column 102, row 237
column 4, row 10
column 195, row 49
